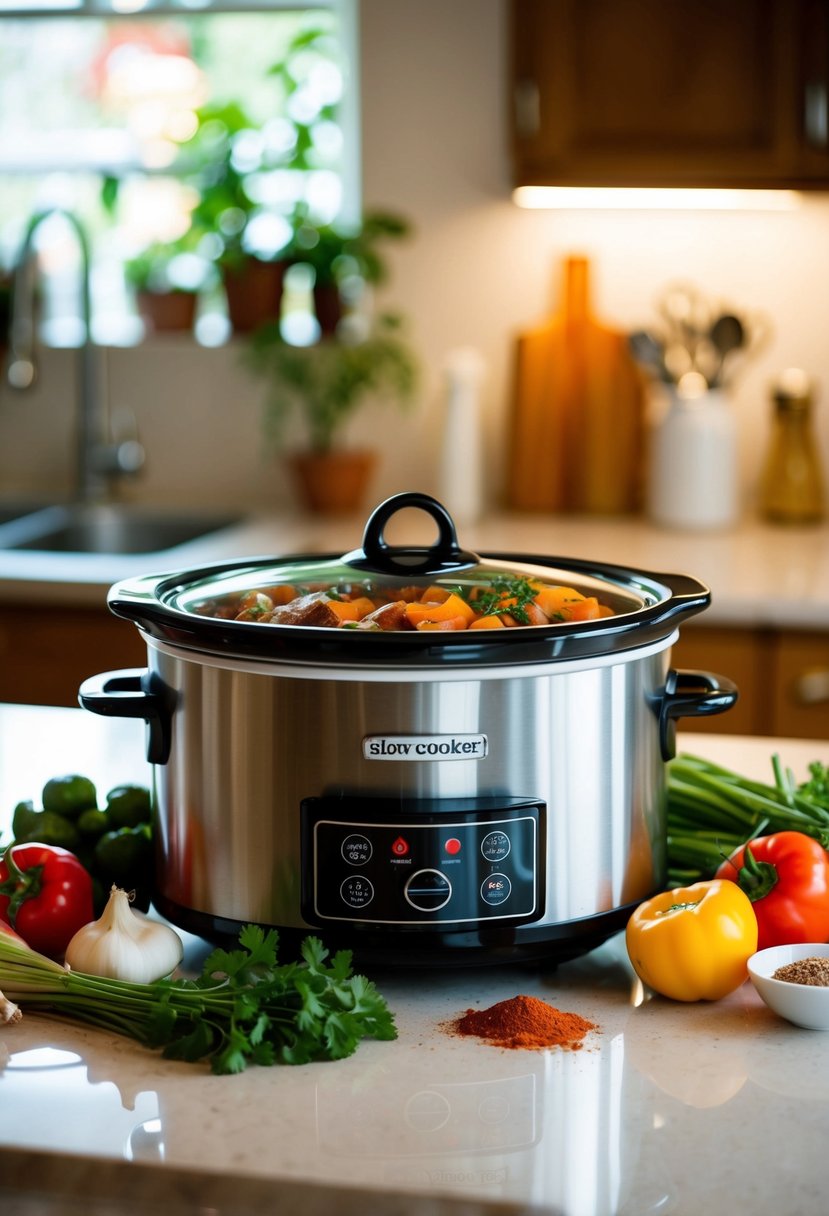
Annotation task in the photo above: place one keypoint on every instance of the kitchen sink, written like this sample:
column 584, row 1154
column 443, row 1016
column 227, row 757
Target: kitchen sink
column 107, row 528
column 16, row 510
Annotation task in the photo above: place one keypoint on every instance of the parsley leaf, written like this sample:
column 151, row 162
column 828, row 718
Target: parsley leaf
column 817, row 787
column 244, row 1008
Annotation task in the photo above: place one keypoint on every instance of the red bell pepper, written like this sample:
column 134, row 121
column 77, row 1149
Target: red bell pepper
column 786, row 877
column 45, row 895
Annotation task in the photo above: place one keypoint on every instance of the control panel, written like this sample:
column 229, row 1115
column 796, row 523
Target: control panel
column 422, row 861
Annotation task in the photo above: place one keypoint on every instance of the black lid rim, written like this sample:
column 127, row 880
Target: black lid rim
column 676, row 597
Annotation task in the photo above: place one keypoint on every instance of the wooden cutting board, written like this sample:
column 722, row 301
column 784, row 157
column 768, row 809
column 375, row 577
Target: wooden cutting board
column 577, row 412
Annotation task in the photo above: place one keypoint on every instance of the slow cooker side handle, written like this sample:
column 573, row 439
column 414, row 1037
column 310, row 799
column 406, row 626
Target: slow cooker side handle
column 133, row 693
column 691, row 694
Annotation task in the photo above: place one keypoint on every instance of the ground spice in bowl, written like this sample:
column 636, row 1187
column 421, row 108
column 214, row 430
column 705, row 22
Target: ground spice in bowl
column 524, row 1022
column 813, row 971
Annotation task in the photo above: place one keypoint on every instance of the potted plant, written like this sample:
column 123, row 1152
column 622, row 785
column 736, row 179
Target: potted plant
column 325, row 385
column 338, row 254
column 167, row 280
column 251, row 273
column 231, row 160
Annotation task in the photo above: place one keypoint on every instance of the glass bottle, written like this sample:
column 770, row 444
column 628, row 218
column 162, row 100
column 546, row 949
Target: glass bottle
column 792, row 484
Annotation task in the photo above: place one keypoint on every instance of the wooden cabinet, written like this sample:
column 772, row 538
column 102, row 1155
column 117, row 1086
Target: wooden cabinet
column 46, row 653
column 801, row 687
column 783, row 678
column 667, row 93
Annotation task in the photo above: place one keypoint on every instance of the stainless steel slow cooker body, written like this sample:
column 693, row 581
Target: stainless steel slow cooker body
column 416, row 801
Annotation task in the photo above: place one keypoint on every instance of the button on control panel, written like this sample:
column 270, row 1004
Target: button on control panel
column 356, row 850
column 422, row 861
column 495, row 846
column 496, row 889
column 356, row 892
column 428, row 890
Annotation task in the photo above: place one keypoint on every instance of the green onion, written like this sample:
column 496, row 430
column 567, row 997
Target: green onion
column 711, row 811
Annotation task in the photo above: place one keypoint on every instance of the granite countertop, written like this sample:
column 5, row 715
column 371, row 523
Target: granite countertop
column 667, row 1107
column 759, row 575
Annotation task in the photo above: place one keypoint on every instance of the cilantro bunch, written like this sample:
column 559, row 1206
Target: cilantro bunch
column 244, row 1008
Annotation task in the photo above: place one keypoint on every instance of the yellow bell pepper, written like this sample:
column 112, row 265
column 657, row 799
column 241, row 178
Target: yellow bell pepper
column 693, row 943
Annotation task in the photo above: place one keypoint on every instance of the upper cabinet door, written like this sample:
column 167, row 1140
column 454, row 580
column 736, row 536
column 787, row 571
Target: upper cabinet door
column 721, row 93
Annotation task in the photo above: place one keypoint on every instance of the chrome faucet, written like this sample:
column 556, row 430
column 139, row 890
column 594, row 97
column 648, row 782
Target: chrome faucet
column 99, row 458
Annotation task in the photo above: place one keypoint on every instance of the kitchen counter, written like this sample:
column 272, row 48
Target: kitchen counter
column 666, row 1108
column 759, row 575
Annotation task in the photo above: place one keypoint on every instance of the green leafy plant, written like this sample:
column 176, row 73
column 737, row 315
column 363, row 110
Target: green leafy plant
column 229, row 154
column 225, row 206
column 336, row 251
column 177, row 266
column 326, row 383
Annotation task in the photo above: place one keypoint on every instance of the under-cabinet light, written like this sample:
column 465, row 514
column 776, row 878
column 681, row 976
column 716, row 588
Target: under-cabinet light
column 615, row 198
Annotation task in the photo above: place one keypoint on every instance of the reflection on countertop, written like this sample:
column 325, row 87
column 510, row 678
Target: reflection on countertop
column 666, row 1107
column 759, row 574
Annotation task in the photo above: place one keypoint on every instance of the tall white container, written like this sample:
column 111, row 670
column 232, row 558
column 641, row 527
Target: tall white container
column 692, row 464
column 461, row 488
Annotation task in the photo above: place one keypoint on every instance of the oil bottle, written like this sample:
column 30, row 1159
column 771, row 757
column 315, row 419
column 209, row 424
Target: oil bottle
column 791, row 489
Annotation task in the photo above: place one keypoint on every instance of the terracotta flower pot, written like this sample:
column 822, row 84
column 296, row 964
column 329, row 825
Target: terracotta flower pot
column 328, row 307
column 254, row 294
column 167, row 312
column 333, row 482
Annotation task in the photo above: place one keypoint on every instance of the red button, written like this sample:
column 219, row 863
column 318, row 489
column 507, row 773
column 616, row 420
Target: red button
column 400, row 847
column 452, row 846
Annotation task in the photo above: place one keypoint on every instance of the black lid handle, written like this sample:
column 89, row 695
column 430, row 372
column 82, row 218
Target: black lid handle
column 377, row 556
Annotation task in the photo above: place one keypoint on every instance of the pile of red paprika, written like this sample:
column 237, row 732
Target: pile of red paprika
column 693, row 943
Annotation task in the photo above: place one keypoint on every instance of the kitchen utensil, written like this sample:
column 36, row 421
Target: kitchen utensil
column 679, row 361
column 686, row 316
column 727, row 334
column 649, row 350
column 420, row 797
column 577, row 414
column 805, row 1005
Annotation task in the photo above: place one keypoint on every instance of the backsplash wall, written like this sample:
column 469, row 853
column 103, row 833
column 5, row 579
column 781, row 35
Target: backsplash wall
column 477, row 271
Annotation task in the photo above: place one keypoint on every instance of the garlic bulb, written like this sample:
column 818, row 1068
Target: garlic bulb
column 9, row 1012
column 125, row 945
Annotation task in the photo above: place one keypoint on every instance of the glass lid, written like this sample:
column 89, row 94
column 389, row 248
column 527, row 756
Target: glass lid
column 399, row 606
column 439, row 588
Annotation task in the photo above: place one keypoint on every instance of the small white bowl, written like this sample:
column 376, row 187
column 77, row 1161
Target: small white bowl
column 806, row 1005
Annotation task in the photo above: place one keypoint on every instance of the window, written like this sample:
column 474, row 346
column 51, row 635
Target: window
column 133, row 121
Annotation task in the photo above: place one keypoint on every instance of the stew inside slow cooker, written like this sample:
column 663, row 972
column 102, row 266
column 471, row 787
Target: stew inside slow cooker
column 506, row 602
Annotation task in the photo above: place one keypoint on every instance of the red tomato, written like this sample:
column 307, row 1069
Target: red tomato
column 786, row 877
column 45, row 895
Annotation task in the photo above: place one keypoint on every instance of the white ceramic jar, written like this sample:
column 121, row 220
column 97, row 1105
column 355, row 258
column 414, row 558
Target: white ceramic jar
column 692, row 478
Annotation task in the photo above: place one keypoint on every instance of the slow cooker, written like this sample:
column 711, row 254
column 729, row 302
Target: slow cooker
column 418, row 792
